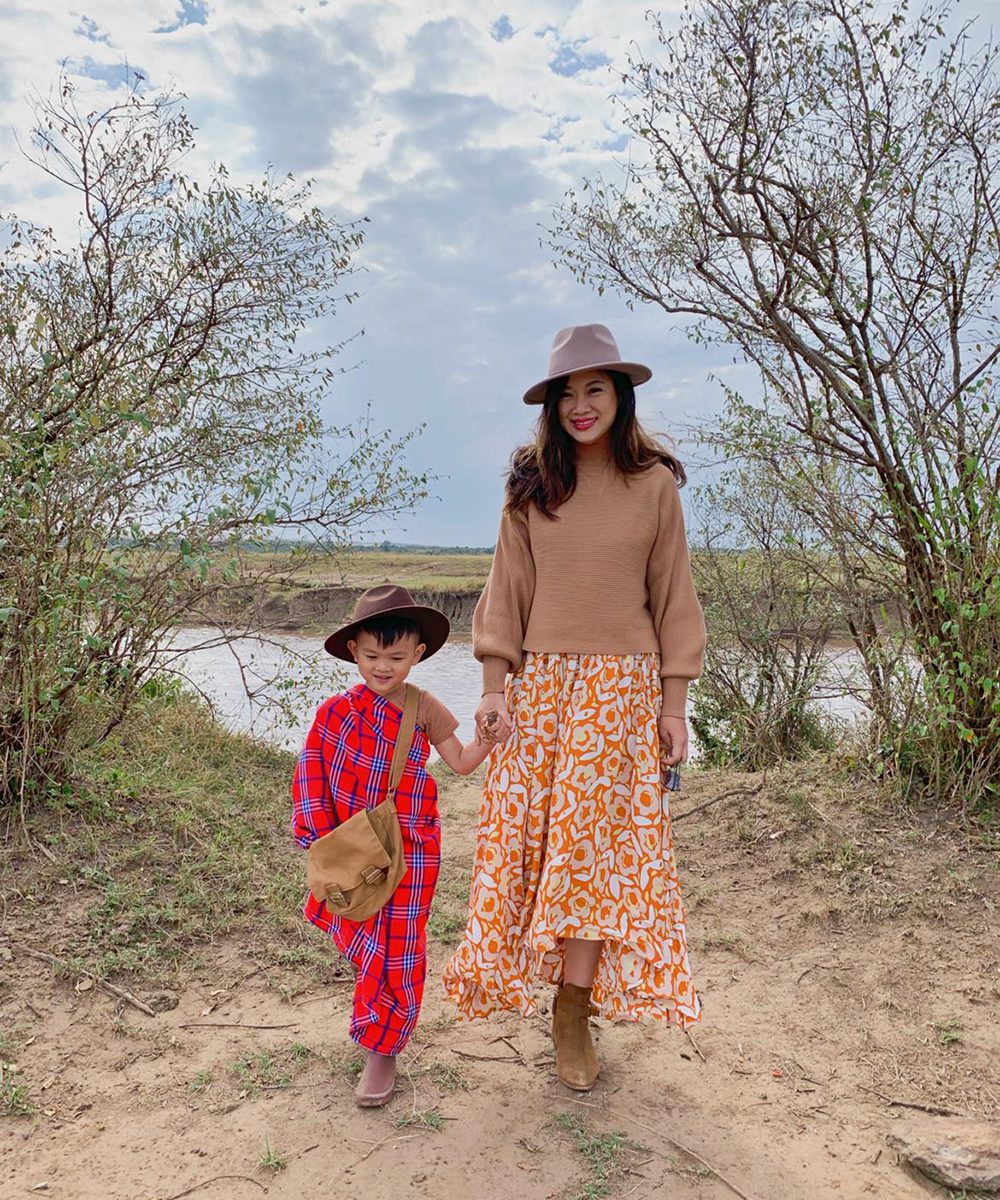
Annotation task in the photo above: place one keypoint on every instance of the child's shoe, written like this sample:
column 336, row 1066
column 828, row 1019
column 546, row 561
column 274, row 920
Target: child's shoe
column 377, row 1082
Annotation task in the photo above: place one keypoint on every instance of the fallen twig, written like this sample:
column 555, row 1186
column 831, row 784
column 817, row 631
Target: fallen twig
column 934, row 1109
column 675, row 817
column 816, row 967
column 487, row 1057
column 44, row 849
column 415, row 1059
column 697, row 1049
column 507, row 1042
column 215, row 1179
column 112, row 988
column 389, row 1137
column 621, row 1116
column 232, row 1025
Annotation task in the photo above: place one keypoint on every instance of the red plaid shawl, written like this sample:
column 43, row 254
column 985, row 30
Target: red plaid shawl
column 343, row 768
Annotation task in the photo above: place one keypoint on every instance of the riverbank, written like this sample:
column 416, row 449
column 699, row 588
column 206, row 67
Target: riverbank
column 321, row 593
column 845, row 952
column 315, row 609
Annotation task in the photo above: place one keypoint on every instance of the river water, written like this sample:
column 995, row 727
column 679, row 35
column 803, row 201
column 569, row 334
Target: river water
column 294, row 672
column 288, row 676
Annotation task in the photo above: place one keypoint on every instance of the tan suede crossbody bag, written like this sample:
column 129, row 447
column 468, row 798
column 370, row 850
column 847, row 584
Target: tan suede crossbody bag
column 356, row 867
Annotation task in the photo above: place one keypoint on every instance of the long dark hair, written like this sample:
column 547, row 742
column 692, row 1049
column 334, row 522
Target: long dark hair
column 545, row 471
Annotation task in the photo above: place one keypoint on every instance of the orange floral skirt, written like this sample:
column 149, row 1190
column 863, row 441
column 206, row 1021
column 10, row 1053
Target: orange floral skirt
column 574, row 841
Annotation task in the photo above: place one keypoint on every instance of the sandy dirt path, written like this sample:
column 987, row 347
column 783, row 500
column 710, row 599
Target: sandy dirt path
column 843, row 965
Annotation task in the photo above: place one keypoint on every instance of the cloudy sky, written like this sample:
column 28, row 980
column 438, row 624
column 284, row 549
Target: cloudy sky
column 455, row 127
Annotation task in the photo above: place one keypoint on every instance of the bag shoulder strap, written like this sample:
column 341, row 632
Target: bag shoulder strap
column 405, row 739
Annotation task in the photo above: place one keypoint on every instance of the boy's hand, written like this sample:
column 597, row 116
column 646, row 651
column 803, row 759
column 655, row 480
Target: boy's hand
column 492, row 719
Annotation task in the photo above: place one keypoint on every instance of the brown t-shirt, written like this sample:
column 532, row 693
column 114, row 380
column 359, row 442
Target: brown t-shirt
column 434, row 719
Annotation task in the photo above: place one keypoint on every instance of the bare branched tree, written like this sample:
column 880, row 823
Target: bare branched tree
column 820, row 189
column 771, row 613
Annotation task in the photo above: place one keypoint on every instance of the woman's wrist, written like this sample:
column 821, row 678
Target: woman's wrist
column 673, row 695
column 494, row 674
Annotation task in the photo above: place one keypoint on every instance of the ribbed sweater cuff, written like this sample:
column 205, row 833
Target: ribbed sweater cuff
column 675, row 691
column 494, row 674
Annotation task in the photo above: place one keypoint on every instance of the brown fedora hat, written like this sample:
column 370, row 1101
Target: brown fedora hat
column 585, row 348
column 389, row 600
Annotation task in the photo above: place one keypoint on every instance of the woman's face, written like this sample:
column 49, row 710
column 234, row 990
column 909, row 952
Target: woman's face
column 587, row 407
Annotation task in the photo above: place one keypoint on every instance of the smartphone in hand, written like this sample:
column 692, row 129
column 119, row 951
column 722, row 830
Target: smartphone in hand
column 670, row 777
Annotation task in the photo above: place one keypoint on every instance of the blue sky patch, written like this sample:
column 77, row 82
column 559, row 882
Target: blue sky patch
column 502, row 30
column 90, row 29
column 113, row 74
column 190, row 12
column 571, row 61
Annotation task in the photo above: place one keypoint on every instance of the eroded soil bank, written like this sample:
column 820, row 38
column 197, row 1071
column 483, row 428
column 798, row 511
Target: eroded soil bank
column 325, row 607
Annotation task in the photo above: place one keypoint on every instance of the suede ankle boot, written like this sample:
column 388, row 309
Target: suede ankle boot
column 576, row 1059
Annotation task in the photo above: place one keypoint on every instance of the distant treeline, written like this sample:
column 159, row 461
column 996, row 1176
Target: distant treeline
column 407, row 548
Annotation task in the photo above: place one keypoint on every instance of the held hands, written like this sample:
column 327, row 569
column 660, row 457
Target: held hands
column 492, row 719
column 673, row 739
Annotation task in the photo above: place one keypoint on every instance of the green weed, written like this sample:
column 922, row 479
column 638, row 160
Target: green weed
column 14, row 1098
column 346, row 1062
column 200, row 1081
column 263, row 1069
column 604, row 1153
column 949, row 1034
column 445, row 926
column 427, row 1119
column 800, row 807
column 448, row 1076
column 448, row 912
column 271, row 1159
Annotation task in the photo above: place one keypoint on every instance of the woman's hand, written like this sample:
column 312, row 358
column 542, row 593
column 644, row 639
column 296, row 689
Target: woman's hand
column 492, row 719
column 673, row 739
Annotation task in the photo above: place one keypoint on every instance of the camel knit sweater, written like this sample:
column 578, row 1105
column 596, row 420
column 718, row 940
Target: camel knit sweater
column 610, row 575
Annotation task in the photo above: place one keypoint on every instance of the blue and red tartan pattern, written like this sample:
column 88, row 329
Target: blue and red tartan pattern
column 343, row 768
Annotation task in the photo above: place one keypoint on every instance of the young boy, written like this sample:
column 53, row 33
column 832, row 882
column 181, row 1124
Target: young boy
column 343, row 768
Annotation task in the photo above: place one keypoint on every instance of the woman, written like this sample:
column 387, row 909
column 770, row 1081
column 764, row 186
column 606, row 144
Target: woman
column 589, row 631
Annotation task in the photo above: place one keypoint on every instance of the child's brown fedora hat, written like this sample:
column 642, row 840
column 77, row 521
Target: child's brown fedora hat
column 390, row 600
column 584, row 348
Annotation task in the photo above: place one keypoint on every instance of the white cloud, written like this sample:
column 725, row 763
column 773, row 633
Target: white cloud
column 456, row 142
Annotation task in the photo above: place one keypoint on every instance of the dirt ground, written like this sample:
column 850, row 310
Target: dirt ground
column 849, row 966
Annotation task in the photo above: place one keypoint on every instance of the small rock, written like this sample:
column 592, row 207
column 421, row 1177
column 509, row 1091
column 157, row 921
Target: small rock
column 957, row 1152
column 163, row 1001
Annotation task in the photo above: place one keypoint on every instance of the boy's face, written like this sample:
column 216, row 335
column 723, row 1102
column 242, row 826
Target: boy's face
column 385, row 668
